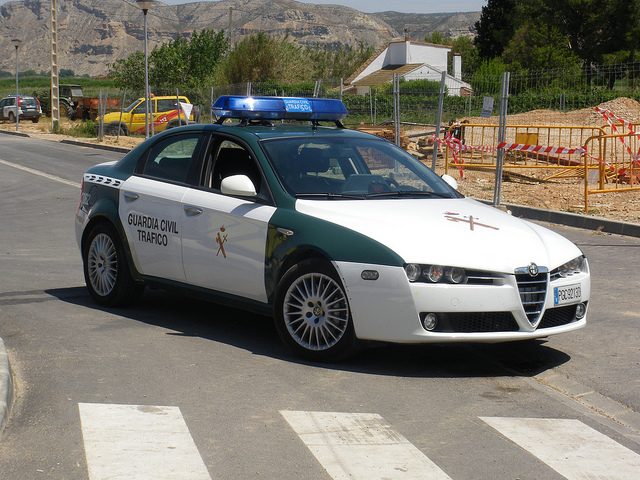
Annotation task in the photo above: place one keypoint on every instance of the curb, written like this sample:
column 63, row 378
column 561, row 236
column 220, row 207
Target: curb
column 576, row 220
column 98, row 146
column 6, row 387
column 19, row 134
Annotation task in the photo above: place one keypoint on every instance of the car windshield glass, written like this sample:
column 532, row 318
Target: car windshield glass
column 333, row 167
column 131, row 107
column 28, row 101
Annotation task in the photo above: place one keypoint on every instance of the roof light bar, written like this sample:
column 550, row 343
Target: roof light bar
column 279, row 108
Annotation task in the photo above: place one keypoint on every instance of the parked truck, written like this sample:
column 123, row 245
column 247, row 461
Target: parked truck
column 74, row 105
column 68, row 95
column 163, row 110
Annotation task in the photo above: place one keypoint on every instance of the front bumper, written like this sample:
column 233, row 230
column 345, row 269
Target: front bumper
column 390, row 308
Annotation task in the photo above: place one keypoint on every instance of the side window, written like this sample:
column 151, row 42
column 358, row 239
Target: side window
column 167, row 105
column 171, row 158
column 141, row 109
column 3, row 102
column 229, row 158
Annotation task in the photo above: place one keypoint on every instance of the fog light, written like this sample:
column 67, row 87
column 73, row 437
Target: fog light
column 430, row 321
column 581, row 310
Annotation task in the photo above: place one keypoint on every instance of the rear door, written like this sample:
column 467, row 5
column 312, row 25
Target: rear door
column 150, row 206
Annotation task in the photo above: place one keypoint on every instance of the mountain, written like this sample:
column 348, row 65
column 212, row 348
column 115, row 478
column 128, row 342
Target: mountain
column 94, row 33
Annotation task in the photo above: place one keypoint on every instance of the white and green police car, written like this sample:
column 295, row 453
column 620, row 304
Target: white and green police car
column 339, row 235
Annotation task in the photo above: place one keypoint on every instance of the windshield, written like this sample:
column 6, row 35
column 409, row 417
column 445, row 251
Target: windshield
column 343, row 167
column 132, row 106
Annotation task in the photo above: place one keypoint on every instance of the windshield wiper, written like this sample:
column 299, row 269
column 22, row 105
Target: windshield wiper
column 408, row 193
column 331, row 196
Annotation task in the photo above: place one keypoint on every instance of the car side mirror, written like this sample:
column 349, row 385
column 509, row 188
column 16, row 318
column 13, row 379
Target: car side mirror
column 238, row 185
column 450, row 181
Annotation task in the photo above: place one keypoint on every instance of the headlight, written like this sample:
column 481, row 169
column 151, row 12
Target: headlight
column 434, row 273
column 577, row 265
column 413, row 271
column 455, row 275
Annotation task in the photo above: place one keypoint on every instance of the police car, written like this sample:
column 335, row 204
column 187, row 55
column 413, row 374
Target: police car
column 341, row 236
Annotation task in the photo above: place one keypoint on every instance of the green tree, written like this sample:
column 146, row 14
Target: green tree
column 339, row 63
column 469, row 53
column 594, row 28
column 128, row 72
column 181, row 63
column 261, row 58
column 436, row 38
column 495, row 28
column 187, row 63
column 539, row 46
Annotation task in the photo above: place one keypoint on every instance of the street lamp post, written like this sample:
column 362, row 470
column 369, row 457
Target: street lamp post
column 16, row 43
column 145, row 4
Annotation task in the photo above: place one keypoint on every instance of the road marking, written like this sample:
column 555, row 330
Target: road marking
column 361, row 446
column 139, row 442
column 40, row 173
column 570, row 447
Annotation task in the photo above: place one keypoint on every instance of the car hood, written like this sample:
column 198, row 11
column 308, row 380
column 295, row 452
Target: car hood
column 456, row 232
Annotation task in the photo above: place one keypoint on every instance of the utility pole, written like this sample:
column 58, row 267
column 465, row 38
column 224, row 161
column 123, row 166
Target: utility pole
column 55, row 92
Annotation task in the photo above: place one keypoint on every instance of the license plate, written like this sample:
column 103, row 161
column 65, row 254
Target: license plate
column 568, row 294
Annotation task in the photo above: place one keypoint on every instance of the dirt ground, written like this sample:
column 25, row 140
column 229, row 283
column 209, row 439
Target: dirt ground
column 560, row 194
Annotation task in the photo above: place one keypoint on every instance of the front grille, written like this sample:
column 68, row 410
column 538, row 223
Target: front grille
column 533, row 291
column 554, row 317
column 470, row 322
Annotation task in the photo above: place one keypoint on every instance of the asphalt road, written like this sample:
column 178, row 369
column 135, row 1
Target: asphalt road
column 234, row 382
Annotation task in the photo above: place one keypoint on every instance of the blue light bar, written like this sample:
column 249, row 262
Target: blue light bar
column 279, row 108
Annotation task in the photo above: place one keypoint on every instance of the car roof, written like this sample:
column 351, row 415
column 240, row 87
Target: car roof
column 277, row 130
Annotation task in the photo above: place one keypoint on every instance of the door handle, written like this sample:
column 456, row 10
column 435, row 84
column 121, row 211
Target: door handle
column 192, row 211
column 131, row 197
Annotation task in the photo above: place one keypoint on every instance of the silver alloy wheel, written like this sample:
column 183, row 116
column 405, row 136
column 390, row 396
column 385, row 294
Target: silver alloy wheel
column 316, row 311
column 102, row 264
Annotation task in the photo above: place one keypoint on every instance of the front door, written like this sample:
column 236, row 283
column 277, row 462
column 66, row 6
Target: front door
column 224, row 237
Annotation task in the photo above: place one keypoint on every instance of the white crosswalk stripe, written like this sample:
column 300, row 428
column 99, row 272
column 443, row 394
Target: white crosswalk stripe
column 570, row 447
column 137, row 442
column 361, row 446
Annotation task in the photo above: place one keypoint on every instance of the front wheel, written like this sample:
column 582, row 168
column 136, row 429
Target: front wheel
column 312, row 313
column 105, row 269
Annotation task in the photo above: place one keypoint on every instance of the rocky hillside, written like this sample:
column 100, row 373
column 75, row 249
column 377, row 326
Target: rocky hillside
column 94, row 33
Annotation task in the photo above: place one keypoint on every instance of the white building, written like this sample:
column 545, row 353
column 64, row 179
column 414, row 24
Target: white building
column 412, row 61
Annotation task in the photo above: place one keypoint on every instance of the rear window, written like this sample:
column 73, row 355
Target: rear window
column 29, row 101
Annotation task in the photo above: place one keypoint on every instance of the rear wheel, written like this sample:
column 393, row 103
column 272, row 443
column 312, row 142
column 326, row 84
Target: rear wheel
column 12, row 117
column 106, row 271
column 65, row 109
column 112, row 129
column 176, row 123
column 312, row 313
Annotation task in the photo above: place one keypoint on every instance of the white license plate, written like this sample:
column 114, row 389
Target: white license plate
column 568, row 294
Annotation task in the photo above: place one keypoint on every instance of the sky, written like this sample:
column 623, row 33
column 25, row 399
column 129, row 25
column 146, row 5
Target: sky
column 373, row 6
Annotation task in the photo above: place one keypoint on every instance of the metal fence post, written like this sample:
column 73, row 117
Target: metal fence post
column 436, row 143
column 396, row 108
column 501, row 136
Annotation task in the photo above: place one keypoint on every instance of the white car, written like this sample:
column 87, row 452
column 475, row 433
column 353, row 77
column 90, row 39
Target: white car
column 341, row 236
